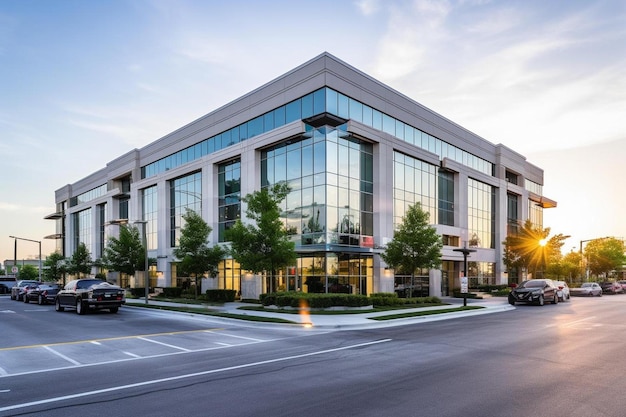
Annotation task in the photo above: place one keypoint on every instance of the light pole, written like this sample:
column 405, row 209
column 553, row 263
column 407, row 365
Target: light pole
column 465, row 251
column 144, row 238
column 29, row 240
column 582, row 261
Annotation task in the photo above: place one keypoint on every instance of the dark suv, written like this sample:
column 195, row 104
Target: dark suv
column 86, row 294
column 535, row 291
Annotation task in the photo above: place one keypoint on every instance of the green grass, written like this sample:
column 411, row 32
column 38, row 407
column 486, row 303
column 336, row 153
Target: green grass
column 424, row 313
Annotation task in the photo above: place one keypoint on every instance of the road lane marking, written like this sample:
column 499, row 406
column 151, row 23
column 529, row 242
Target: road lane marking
column 131, row 354
column 164, row 344
column 77, row 342
column 59, row 354
column 187, row 376
column 237, row 337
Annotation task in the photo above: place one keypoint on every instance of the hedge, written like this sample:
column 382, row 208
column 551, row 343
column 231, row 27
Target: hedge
column 314, row 300
column 221, row 295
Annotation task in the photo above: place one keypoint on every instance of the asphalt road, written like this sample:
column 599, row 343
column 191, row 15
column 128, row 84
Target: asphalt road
column 555, row 360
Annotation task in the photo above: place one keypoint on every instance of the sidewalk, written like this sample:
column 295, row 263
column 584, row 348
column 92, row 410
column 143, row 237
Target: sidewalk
column 355, row 320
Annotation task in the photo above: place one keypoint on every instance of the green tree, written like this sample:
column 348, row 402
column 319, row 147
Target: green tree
column 531, row 249
column 80, row 262
column 54, row 267
column 264, row 246
column 605, row 255
column 125, row 254
column 196, row 258
column 415, row 244
column 28, row 272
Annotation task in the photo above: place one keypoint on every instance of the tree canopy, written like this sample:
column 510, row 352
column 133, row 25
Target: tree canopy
column 54, row 267
column 605, row 255
column 126, row 253
column 415, row 244
column 195, row 257
column 531, row 248
column 80, row 262
column 265, row 245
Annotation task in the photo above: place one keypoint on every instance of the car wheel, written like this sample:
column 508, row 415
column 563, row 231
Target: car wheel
column 511, row 301
column 40, row 300
column 555, row 300
column 57, row 305
column 80, row 307
column 541, row 300
column 25, row 299
column 12, row 297
column 114, row 309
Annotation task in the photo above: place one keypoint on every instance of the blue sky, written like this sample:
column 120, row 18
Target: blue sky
column 85, row 81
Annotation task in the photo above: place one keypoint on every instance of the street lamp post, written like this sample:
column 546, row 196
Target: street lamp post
column 29, row 240
column 465, row 251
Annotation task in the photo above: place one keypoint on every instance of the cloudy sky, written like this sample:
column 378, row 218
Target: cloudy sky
column 85, row 81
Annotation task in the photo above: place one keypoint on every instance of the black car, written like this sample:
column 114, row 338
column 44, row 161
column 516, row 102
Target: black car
column 85, row 294
column 17, row 292
column 43, row 294
column 535, row 291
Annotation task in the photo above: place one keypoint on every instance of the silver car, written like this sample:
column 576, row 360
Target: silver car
column 588, row 289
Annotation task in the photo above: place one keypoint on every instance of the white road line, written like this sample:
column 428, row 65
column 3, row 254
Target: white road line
column 59, row 354
column 164, row 344
column 222, row 344
column 3, row 372
column 131, row 354
column 186, row 376
column 237, row 337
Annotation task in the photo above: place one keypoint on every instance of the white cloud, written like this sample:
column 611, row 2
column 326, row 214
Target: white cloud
column 368, row 7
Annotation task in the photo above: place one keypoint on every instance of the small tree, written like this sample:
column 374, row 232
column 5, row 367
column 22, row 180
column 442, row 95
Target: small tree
column 415, row 244
column 264, row 246
column 531, row 249
column 195, row 257
column 80, row 261
column 605, row 255
column 28, row 272
column 54, row 267
column 125, row 254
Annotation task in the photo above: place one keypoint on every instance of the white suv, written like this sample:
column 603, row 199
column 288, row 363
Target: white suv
column 563, row 291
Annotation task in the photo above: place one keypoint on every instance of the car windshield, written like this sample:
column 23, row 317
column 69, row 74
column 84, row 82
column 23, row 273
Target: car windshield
column 587, row 285
column 533, row 284
column 88, row 283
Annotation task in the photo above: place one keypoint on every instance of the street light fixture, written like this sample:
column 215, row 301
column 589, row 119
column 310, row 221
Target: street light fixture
column 465, row 251
column 144, row 238
column 29, row 240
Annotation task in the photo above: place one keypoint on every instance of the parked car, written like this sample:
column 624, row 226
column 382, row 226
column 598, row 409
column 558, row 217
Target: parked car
column 589, row 289
column 43, row 294
column 623, row 284
column 563, row 291
column 85, row 294
column 535, row 291
column 611, row 288
column 17, row 292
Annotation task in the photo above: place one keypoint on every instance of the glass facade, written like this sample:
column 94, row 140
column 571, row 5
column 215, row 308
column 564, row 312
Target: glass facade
column 331, row 179
column 82, row 229
column 481, row 202
column 149, row 215
column 185, row 193
column 315, row 103
column 414, row 181
column 229, row 199
column 101, row 211
column 445, row 198
column 535, row 213
column 89, row 195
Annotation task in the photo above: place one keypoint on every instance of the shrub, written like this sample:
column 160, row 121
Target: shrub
column 172, row 292
column 297, row 299
column 138, row 292
column 221, row 295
